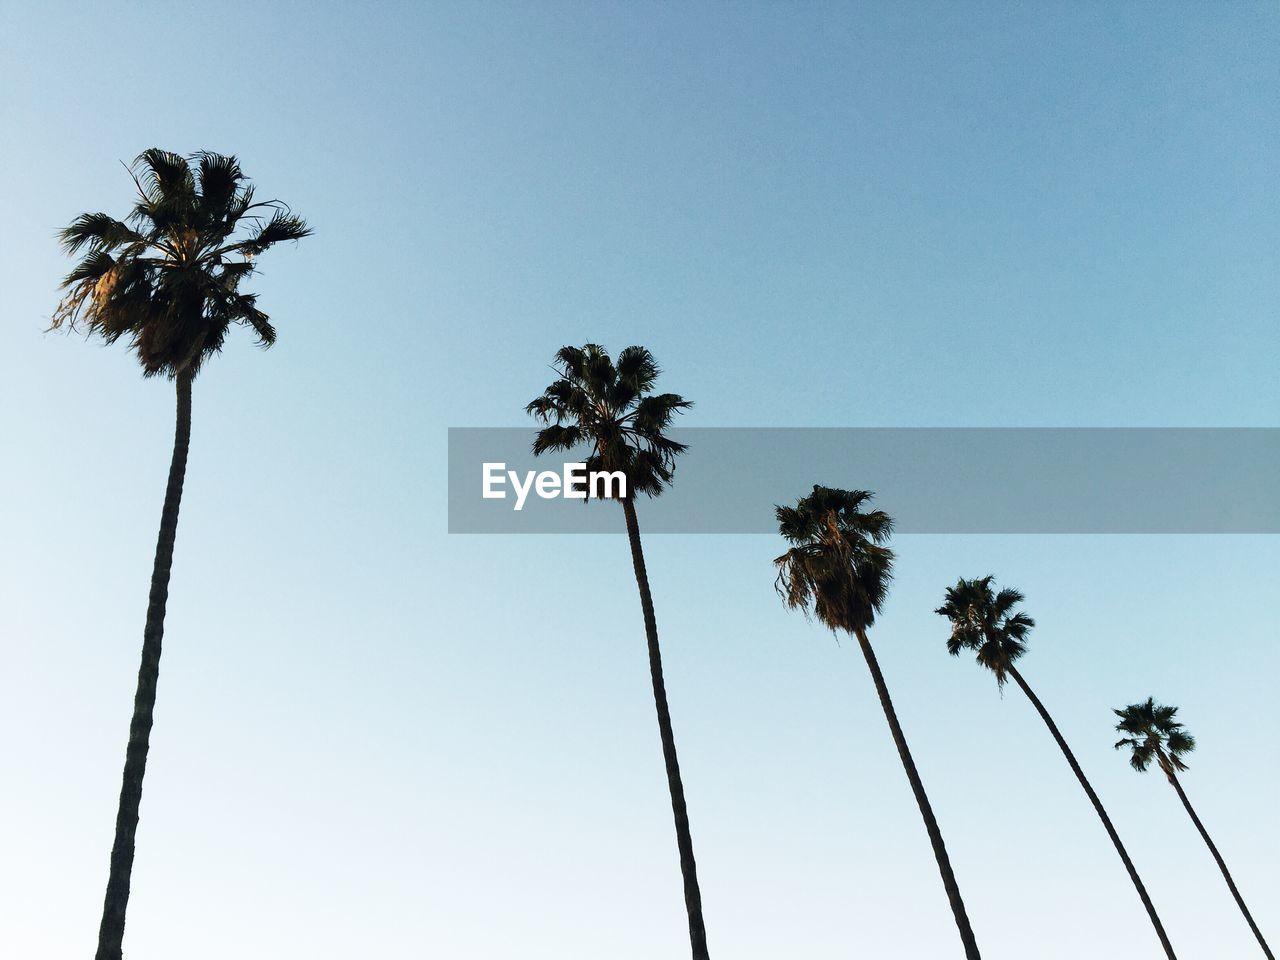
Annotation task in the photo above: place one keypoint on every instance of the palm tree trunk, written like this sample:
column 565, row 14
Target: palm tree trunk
column 922, row 801
column 111, row 932
column 1102, row 813
column 684, row 840
column 1226, row 875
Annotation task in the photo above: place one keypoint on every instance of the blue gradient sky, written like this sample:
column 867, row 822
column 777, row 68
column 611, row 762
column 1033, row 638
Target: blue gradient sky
column 377, row 740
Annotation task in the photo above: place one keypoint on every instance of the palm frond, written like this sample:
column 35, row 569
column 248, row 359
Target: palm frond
column 219, row 180
column 100, row 231
column 281, row 227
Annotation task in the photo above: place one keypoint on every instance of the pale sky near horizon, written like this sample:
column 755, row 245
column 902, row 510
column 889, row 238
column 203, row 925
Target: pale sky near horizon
column 374, row 739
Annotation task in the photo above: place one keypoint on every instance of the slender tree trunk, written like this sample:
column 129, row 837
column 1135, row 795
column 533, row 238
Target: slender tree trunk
column 111, row 932
column 688, row 868
column 1226, row 875
column 922, row 801
column 1102, row 813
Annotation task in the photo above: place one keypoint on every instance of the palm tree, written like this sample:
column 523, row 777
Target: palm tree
column 609, row 409
column 986, row 623
column 167, row 278
column 1155, row 736
column 839, row 569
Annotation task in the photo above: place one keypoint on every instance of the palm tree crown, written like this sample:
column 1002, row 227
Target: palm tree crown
column 607, row 406
column 168, row 276
column 985, row 621
column 1153, row 735
column 838, row 567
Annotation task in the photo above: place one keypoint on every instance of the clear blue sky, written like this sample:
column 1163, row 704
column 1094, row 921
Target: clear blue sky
column 376, row 740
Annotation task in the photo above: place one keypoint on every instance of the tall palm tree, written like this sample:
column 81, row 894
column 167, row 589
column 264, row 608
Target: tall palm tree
column 839, row 569
column 987, row 623
column 167, row 279
column 1154, row 736
column 610, row 410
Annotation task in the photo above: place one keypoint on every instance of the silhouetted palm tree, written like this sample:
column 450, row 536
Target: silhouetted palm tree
column 608, row 409
column 985, row 622
column 839, row 569
column 168, row 279
column 1155, row 736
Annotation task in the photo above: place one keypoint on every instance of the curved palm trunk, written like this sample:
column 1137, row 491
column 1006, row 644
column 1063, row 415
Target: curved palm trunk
column 922, row 801
column 1226, row 875
column 111, row 932
column 1102, row 813
column 684, row 840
